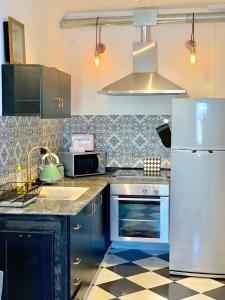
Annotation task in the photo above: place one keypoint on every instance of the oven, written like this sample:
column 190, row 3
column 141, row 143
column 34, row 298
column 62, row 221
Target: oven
column 139, row 212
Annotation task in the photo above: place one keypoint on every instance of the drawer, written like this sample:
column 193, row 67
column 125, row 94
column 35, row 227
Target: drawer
column 80, row 232
column 77, row 235
column 76, row 274
column 79, row 274
column 79, row 295
column 80, row 268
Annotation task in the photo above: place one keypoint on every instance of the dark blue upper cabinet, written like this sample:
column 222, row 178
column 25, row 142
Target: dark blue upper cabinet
column 29, row 90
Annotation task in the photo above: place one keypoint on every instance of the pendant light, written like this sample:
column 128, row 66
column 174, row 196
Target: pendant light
column 191, row 44
column 99, row 47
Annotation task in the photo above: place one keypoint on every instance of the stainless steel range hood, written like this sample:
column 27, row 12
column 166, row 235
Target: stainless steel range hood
column 145, row 80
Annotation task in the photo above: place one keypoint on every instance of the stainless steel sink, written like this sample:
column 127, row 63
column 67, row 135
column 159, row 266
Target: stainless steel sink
column 61, row 193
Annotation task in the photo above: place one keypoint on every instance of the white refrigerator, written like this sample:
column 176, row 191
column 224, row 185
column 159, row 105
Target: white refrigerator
column 197, row 207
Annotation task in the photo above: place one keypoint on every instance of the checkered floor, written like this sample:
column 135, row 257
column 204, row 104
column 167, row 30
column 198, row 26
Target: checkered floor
column 144, row 275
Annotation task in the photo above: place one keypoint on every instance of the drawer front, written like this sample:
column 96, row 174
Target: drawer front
column 77, row 233
column 79, row 274
column 80, row 294
column 80, row 239
column 80, row 231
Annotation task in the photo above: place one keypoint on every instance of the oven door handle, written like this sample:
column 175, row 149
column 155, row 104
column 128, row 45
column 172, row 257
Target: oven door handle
column 140, row 199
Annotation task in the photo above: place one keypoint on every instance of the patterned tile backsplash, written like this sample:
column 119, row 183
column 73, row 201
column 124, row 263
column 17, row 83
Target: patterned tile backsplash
column 20, row 134
column 126, row 138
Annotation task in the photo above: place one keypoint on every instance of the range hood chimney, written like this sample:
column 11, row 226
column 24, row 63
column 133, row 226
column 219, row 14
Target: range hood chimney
column 145, row 80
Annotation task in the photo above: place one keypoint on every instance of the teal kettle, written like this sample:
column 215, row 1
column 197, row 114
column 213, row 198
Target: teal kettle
column 49, row 173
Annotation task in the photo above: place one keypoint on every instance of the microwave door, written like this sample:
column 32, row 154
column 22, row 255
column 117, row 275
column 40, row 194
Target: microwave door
column 85, row 164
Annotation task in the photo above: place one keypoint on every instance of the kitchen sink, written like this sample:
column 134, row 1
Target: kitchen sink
column 61, row 193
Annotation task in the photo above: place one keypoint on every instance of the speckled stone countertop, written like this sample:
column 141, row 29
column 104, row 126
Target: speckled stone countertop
column 72, row 207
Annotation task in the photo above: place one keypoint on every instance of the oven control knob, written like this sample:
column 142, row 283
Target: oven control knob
column 156, row 192
column 144, row 192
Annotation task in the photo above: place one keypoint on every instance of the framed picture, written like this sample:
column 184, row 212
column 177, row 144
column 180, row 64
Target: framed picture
column 14, row 41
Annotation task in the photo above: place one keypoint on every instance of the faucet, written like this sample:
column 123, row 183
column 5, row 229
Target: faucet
column 29, row 179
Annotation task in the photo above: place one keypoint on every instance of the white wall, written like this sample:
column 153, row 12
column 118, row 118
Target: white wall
column 43, row 36
column 73, row 51
column 205, row 79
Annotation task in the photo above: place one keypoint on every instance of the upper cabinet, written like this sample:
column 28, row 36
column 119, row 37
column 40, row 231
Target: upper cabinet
column 29, row 90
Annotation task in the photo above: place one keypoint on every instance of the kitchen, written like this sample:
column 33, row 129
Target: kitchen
column 125, row 126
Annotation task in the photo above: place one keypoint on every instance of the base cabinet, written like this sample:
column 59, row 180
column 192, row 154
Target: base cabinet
column 53, row 258
column 28, row 260
column 88, row 227
column 98, row 246
column 33, row 257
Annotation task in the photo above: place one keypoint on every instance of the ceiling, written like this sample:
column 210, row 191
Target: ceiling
column 101, row 5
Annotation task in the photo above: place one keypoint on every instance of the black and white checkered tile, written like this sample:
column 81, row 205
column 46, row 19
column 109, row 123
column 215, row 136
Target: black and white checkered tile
column 152, row 166
column 144, row 275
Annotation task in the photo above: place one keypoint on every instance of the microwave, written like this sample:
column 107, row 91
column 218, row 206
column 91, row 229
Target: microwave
column 83, row 164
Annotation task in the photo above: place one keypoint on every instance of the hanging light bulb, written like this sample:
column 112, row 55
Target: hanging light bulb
column 99, row 47
column 97, row 58
column 191, row 44
column 193, row 55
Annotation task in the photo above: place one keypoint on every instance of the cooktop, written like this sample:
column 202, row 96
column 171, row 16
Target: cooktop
column 163, row 173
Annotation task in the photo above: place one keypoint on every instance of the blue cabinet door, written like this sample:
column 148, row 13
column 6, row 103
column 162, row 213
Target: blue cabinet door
column 97, row 235
column 64, row 86
column 50, row 105
column 27, row 260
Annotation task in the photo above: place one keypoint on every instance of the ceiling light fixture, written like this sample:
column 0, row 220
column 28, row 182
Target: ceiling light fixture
column 191, row 44
column 99, row 47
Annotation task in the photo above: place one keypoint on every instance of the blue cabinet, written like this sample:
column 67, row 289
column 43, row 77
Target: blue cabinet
column 97, row 235
column 33, row 257
column 53, row 257
column 28, row 261
column 80, row 227
column 35, row 90
column 89, row 243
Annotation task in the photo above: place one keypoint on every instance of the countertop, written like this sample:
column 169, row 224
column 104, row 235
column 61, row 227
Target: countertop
column 72, row 207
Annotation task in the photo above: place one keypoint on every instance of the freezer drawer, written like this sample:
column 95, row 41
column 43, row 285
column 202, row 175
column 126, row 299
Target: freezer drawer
column 197, row 212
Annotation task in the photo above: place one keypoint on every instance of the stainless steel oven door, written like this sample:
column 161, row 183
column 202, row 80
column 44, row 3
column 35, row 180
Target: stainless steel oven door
column 139, row 219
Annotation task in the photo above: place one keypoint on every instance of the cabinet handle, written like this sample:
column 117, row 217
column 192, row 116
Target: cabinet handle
column 92, row 205
column 62, row 104
column 101, row 200
column 58, row 104
column 90, row 210
column 76, row 227
column 76, row 261
column 76, row 281
column 94, row 208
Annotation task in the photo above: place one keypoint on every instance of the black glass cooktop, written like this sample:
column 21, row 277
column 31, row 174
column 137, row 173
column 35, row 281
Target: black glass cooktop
column 163, row 173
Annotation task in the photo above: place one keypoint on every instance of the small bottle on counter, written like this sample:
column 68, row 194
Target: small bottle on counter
column 19, row 184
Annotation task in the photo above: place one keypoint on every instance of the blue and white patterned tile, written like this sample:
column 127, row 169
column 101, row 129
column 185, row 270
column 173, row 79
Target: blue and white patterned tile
column 126, row 138
column 127, row 127
column 19, row 134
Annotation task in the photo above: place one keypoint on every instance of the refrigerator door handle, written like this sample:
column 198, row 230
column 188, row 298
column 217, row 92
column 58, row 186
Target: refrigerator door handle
column 208, row 151
column 196, row 151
